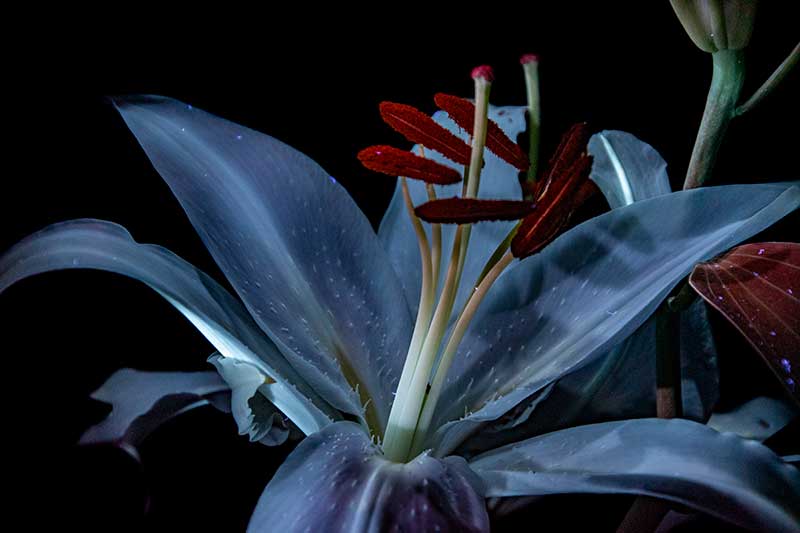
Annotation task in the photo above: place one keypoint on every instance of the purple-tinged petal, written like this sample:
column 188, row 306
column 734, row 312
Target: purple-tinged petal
column 337, row 481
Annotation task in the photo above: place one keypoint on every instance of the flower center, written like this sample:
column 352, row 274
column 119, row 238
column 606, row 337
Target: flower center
column 551, row 203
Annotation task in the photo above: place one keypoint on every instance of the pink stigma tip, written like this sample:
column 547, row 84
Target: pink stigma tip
column 528, row 58
column 483, row 71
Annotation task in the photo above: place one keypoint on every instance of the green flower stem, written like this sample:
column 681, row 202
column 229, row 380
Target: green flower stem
column 726, row 84
column 683, row 299
column 531, row 69
column 773, row 81
column 668, row 364
column 646, row 513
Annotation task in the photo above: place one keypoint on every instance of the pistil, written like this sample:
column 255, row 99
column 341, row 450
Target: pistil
column 530, row 66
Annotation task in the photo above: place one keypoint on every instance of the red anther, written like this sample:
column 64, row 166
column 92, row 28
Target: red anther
column 528, row 58
column 470, row 210
column 418, row 127
column 462, row 111
column 557, row 200
column 572, row 145
column 483, row 71
column 396, row 162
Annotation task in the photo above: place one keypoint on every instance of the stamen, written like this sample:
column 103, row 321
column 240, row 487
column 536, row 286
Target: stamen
column 396, row 162
column 469, row 210
column 530, row 66
column 436, row 242
column 572, row 145
column 449, row 352
column 554, row 210
column 462, row 111
column 396, row 437
column 418, row 127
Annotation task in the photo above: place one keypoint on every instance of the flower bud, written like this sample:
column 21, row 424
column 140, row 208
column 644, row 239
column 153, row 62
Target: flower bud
column 716, row 25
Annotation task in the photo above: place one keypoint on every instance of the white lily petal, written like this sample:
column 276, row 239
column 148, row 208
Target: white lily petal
column 221, row 318
column 721, row 474
column 618, row 385
column 142, row 401
column 558, row 310
column 255, row 415
column 293, row 244
column 757, row 419
column 626, row 169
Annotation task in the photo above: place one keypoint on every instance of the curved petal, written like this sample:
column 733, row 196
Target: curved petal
column 720, row 474
column 618, row 385
column 255, row 415
column 758, row 419
column 626, row 169
column 221, row 318
column 293, row 244
column 337, row 481
column 498, row 181
column 592, row 287
column 142, row 401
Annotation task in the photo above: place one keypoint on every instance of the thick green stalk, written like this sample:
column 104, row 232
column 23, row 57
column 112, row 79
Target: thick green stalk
column 726, row 84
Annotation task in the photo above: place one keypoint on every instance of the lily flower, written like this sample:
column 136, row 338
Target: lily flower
column 403, row 433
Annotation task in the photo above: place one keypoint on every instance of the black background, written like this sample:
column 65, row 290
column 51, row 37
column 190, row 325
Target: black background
column 312, row 78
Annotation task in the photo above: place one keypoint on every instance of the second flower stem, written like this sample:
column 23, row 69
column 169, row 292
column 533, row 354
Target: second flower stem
column 726, row 84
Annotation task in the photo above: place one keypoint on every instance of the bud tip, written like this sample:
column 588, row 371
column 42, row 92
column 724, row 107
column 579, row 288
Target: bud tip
column 526, row 59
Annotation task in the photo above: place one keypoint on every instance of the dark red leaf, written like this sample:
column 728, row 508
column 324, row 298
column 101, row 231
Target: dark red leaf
column 418, row 127
column 462, row 111
column 469, row 210
column 396, row 162
column 757, row 288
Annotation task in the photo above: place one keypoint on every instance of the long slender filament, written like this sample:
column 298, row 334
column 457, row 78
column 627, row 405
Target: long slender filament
column 427, row 296
column 449, row 352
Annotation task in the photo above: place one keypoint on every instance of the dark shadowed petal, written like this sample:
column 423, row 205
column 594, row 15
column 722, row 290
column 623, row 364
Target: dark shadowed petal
column 499, row 181
column 254, row 413
column 591, row 288
column 293, row 244
column 721, row 474
column 142, row 401
column 618, row 385
column 626, row 169
column 337, row 481
column 220, row 317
